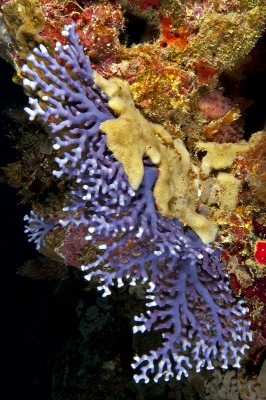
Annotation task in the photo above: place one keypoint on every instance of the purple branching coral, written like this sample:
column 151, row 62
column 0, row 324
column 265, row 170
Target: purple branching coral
column 37, row 229
column 188, row 298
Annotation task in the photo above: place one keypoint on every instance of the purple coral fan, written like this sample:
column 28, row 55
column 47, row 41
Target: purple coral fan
column 187, row 294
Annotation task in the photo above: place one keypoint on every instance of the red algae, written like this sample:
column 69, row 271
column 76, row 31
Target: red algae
column 260, row 252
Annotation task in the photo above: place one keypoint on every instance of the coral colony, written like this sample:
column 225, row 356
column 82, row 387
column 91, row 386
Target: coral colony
column 188, row 298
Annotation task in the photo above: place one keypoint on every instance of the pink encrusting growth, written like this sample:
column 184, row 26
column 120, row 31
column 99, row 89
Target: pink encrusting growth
column 214, row 104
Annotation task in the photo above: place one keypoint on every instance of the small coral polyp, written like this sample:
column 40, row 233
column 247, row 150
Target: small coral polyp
column 188, row 298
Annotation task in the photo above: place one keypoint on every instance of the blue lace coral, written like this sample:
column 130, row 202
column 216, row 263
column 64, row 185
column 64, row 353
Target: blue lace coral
column 188, row 298
column 37, row 229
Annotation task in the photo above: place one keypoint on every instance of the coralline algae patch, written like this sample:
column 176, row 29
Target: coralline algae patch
column 181, row 51
column 32, row 22
column 247, row 279
column 203, row 58
column 256, row 301
column 244, row 227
